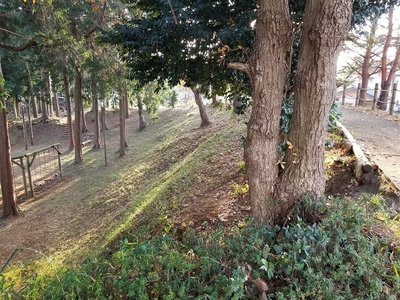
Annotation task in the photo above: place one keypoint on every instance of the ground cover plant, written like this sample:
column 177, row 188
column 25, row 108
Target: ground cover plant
column 180, row 228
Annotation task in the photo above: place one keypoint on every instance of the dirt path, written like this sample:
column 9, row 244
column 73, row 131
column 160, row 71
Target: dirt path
column 379, row 137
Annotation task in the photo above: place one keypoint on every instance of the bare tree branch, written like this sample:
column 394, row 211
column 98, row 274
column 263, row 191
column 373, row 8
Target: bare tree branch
column 240, row 66
column 31, row 43
column 13, row 33
column 91, row 31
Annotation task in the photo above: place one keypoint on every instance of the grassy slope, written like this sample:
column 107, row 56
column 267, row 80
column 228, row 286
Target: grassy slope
column 140, row 194
column 177, row 176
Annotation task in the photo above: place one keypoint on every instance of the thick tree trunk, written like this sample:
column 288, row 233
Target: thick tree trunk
column 78, row 112
column 6, row 175
column 202, row 108
column 267, row 70
column 142, row 122
column 69, row 112
column 326, row 24
column 32, row 103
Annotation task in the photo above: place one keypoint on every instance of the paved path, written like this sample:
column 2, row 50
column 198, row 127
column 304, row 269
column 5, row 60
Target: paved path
column 379, row 138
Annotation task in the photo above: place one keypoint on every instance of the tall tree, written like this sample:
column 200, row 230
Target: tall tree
column 194, row 46
column 6, row 175
column 386, row 79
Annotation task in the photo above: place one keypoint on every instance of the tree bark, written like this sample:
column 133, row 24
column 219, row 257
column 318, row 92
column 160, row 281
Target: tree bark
column 326, row 24
column 69, row 112
column 31, row 93
column 48, row 95
column 84, row 124
column 16, row 107
column 10, row 206
column 142, row 122
column 126, row 100
column 365, row 69
column 45, row 116
column 385, row 84
column 267, row 70
column 202, row 108
column 122, row 133
column 56, row 103
column 95, row 100
column 78, row 112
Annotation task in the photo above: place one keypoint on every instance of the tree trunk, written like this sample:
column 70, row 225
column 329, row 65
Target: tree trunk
column 16, row 107
column 142, row 122
column 84, row 124
column 365, row 69
column 32, row 103
column 126, row 100
column 384, row 95
column 6, row 175
column 56, row 103
column 78, row 112
column 122, row 138
column 326, row 24
column 267, row 71
column 30, row 125
column 385, row 84
column 69, row 112
column 48, row 95
column 45, row 116
column 95, row 100
column 202, row 108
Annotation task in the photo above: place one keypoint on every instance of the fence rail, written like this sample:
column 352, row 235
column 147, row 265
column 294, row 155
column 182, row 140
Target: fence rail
column 35, row 171
column 391, row 103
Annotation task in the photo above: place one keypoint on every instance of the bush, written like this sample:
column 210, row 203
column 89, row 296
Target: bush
column 337, row 257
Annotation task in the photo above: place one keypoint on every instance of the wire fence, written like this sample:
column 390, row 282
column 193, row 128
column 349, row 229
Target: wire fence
column 36, row 171
column 382, row 99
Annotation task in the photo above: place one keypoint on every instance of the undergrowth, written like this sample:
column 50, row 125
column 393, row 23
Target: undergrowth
column 327, row 251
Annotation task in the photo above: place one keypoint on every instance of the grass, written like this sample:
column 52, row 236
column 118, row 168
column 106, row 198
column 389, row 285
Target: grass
column 123, row 236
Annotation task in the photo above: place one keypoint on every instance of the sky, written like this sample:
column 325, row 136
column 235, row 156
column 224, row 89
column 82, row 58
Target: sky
column 345, row 57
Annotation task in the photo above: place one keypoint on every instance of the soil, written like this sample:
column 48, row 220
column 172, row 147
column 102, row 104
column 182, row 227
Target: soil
column 50, row 223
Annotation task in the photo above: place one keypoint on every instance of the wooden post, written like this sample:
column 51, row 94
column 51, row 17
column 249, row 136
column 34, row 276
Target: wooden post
column 375, row 96
column 358, row 95
column 393, row 99
column 344, row 94
column 103, row 122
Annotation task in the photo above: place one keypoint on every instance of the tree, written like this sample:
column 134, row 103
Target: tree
column 204, row 36
column 6, row 176
column 368, row 48
column 173, row 99
column 157, row 47
column 387, row 79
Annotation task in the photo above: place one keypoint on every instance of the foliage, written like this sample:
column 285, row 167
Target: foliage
column 334, row 258
column 334, row 115
column 239, row 190
column 173, row 99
